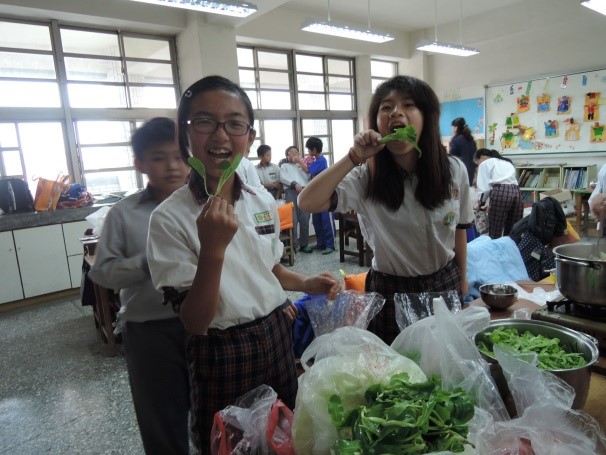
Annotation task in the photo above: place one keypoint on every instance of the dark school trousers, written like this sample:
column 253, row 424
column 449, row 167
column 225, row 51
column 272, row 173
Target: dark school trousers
column 159, row 382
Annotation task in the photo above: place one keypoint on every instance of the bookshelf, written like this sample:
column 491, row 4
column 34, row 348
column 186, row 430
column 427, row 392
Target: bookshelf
column 538, row 178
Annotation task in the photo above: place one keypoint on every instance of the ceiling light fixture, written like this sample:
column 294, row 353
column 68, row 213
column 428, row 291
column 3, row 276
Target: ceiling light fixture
column 226, row 8
column 596, row 5
column 345, row 31
column 447, row 48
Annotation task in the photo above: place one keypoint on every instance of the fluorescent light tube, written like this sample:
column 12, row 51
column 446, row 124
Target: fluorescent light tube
column 446, row 48
column 344, row 31
column 226, row 8
column 596, row 5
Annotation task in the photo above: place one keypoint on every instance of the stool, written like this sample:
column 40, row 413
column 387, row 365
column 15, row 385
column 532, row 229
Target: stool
column 285, row 212
column 349, row 227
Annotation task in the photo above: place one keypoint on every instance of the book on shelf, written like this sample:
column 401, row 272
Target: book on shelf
column 552, row 181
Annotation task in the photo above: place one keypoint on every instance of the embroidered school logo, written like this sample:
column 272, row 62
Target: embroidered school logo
column 449, row 218
column 263, row 217
column 454, row 193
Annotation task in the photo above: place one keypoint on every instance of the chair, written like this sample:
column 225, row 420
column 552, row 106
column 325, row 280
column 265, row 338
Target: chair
column 285, row 212
column 349, row 227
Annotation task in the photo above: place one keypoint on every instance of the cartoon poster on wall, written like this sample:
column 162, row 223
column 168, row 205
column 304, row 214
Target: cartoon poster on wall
column 523, row 103
column 591, row 110
column 543, row 102
column 551, row 129
column 573, row 130
column 564, row 105
column 597, row 132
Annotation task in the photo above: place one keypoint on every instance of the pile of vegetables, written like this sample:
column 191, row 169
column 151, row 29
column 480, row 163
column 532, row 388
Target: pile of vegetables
column 550, row 354
column 403, row 418
column 406, row 134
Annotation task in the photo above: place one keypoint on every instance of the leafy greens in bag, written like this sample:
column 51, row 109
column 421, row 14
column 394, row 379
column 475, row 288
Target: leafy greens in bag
column 403, row 418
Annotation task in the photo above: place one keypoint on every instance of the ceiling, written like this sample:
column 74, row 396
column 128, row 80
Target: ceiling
column 390, row 15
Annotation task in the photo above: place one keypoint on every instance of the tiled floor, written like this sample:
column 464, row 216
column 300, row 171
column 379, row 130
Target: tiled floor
column 61, row 392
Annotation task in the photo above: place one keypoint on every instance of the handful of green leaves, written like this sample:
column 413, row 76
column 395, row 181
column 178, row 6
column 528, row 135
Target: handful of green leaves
column 550, row 354
column 228, row 171
column 406, row 134
column 403, row 418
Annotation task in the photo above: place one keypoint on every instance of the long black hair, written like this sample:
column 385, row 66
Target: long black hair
column 462, row 128
column 206, row 84
column 385, row 184
column 490, row 153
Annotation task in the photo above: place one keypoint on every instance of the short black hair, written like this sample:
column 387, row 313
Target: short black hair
column 158, row 130
column 262, row 150
column 314, row 143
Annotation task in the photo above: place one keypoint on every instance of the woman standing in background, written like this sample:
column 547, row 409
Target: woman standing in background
column 463, row 146
column 497, row 175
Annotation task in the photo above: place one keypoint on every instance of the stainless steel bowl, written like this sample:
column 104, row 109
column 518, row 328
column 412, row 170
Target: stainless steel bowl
column 578, row 378
column 498, row 296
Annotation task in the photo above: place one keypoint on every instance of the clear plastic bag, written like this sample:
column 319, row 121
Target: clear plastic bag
column 97, row 218
column 546, row 424
column 345, row 361
column 443, row 345
column 412, row 307
column 242, row 428
column 350, row 308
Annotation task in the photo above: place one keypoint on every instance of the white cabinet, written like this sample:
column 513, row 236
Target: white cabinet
column 74, row 249
column 42, row 260
column 10, row 281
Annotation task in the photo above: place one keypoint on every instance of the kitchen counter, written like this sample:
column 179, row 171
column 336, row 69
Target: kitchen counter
column 14, row 221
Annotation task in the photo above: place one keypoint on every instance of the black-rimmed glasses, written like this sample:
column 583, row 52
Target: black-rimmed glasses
column 209, row 126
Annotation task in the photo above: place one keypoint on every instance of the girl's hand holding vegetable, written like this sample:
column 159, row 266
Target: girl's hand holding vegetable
column 323, row 283
column 366, row 144
column 217, row 224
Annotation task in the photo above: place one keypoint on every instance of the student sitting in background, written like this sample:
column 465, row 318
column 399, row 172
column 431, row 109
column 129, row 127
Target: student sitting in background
column 153, row 335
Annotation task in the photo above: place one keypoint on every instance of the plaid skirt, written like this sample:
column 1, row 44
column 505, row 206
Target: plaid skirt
column 225, row 364
column 384, row 324
column 506, row 208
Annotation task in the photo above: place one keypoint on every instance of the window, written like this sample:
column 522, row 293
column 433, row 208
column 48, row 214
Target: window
column 380, row 71
column 67, row 86
column 298, row 95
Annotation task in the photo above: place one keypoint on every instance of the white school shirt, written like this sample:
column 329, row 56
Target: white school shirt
column 292, row 173
column 268, row 174
column 247, row 172
column 600, row 186
column 248, row 288
column 411, row 241
column 494, row 170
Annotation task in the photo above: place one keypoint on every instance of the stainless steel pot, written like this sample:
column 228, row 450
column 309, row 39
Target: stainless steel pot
column 579, row 378
column 580, row 273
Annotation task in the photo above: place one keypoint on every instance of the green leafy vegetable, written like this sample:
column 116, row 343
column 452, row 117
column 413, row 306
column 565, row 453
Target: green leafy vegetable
column 406, row 134
column 228, row 171
column 403, row 418
column 550, row 354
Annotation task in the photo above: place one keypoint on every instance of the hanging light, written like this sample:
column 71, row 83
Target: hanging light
column 447, row 48
column 226, row 8
column 328, row 27
column 596, row 5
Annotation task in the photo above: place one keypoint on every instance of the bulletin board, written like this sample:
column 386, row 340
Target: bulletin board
column 472, row 110
column 549, row 115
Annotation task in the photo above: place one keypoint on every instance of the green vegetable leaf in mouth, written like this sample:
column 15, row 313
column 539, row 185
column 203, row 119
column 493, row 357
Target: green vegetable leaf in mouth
column 406, row 134
column 227, row 167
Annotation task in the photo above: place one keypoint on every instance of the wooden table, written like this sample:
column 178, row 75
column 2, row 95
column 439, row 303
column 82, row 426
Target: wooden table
column 581, row 198
column 594, row 406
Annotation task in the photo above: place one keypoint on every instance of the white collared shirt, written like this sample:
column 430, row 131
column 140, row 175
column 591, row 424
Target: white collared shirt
column 248, row 288
column 494, row 170
column 292, row 173
column 413, row 240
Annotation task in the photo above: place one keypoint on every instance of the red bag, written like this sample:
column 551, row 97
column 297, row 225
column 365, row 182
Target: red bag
column 279, row 425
